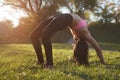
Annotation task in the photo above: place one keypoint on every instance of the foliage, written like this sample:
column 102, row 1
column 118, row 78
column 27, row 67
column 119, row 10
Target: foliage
column 79, row 6
column 106, row 32
column 17, row 63
column 40, row 9
column 117, row 17
column 109, row 12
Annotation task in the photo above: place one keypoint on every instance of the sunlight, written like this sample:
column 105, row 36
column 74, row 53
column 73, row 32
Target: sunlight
column 7, row 12
column 5, row 15
column 64, row 10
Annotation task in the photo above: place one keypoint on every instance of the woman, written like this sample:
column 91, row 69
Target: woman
column 79, row 29
column 55, row 23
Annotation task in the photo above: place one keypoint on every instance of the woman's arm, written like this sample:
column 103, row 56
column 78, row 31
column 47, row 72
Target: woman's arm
column 86, row 34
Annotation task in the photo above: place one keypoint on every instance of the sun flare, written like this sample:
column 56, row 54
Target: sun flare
column 9, row 13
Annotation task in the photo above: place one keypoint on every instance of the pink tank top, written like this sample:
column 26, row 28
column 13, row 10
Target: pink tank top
column 82, row 23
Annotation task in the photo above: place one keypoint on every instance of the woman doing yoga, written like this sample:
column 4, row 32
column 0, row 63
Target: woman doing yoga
column 47, row 28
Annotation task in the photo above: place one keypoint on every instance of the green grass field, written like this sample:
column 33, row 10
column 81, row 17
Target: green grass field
column 17, row 62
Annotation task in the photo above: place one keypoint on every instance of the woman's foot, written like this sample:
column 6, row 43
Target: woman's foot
column 48, row 66
column 44, row 65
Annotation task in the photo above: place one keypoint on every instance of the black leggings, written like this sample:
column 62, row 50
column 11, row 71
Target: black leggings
column 45, row 30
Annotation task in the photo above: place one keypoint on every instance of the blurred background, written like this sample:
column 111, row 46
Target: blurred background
column 19, row 17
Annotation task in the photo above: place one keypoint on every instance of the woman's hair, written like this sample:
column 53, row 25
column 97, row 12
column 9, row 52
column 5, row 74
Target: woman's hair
column 81, row 52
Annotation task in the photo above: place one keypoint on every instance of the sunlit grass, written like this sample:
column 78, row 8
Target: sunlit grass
column 17, row 62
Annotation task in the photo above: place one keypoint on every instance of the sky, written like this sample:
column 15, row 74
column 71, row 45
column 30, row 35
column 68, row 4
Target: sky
column 6, row 12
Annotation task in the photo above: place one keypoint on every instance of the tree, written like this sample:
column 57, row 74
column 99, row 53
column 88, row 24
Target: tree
column 117, row 18
column 108, row 11
column 39, row 9
column 79, row 6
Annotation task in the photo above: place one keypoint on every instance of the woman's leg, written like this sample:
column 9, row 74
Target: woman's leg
column 58, row 23
column 46, row 35
column 34, row 36
column 86, row 34
column 55, row 25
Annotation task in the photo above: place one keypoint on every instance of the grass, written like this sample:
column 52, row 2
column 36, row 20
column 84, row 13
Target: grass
column 17, row 62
